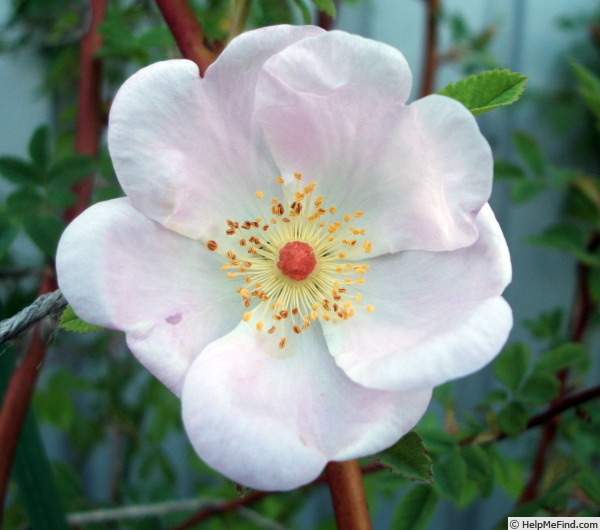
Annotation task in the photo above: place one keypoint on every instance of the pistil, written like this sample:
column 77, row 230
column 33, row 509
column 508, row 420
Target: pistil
column 298, row 266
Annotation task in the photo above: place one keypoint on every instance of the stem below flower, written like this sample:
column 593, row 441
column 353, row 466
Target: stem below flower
column 348, row 495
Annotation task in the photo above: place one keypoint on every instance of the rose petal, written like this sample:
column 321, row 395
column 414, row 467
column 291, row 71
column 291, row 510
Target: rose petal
column 332, row 108
column 178, row 141
column 121, row 270
column 273, row 423
column 438, row 315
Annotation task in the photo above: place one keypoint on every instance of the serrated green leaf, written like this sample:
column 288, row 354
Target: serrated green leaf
column 71, row 322
column 589, row 482
column 479, row 469
column 589, row 88
column 450, row 476
column 569, row 355
column 529, row 151
column 71, row 169
column 19, row 171
column 504, row 170
column 44, row 231
column 538, row 389
column 327, row 6
column 512, row 419
column 415, row 509
column 408, row 457
column 39, row 147
column 487, row 90
column 512, row 365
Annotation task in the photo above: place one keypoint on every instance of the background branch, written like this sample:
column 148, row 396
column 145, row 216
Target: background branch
column 187, row 32
column 430, row 62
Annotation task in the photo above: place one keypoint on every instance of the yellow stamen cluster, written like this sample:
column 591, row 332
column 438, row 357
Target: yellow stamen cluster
column 275, row 302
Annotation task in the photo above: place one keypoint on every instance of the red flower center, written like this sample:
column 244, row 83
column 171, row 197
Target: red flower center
column 296, row 260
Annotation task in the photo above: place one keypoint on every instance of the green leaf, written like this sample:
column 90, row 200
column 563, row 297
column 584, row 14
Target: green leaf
column 568, row 355
column 583, row 200
column 589, row 482
column 328, row 6
column 504, row 170
column 23, row 202
column 44, row 231
column 39, row 147
column 548, row 325
column 512, row 419
column 594, row 283
column 60, row 197
column 19, row 171
column 8, row 233
column 479, row 468
column 415, row 509
column 450, row 476
column 34, row 477
column 526, row 189
column 408, row 457
column 487, row 90
column 539, row 389
column 568, row 238
column 589, row 88
column 305, row 10
column 71, row 322
column 31, row 469
column 512, row 364
column 55, row 406
column 71, row 169
column 529, row 151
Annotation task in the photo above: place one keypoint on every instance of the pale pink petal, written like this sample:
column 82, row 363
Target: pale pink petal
column 178, row 141
column 271, row 420
column 121, row 270
column 437, row 315
column 333, row 108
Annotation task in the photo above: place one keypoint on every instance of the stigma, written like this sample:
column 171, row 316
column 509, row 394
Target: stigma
column 299, row 261
column 296, row 260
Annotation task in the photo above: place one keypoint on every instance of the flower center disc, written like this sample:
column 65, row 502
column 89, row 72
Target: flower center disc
column 296, row 260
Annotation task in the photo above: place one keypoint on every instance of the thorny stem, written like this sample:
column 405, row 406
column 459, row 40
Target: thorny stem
column 22, row 382
column 430, row 62
column 241, row 12
column 583, row 306
column 187, row 31
column 348, row 495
